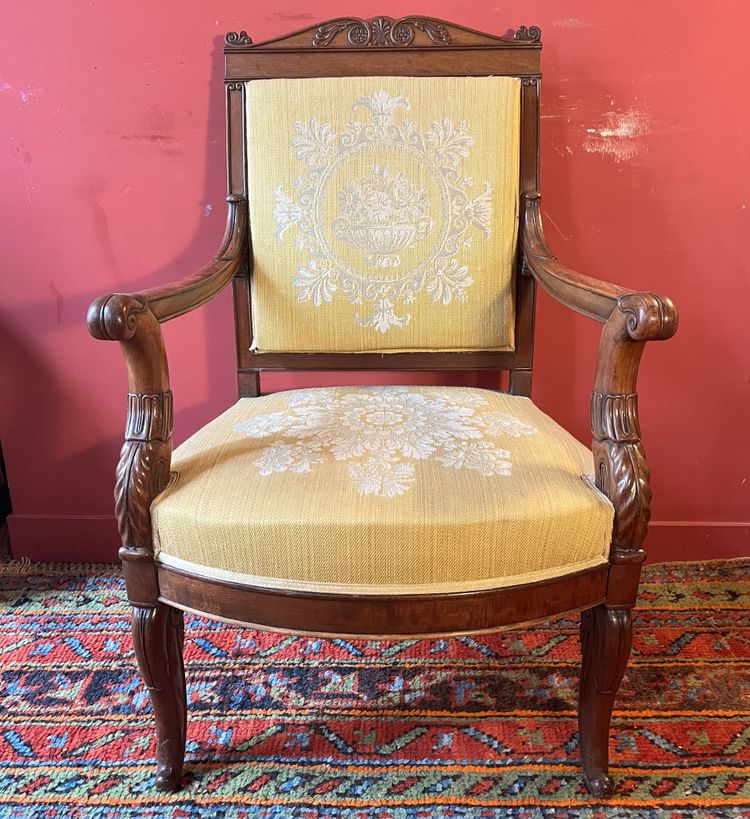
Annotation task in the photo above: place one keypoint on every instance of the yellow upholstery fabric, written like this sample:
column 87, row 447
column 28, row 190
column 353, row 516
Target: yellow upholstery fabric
column 383, row 212
column 382, row 490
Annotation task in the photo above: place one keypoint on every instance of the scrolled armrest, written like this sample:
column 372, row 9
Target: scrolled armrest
column 175, row 299
column 133, row 319
column 115, row 317
column 650, row 316
column 591, row 297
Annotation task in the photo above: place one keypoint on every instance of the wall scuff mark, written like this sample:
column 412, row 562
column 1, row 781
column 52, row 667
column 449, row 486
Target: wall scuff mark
column 619, row 134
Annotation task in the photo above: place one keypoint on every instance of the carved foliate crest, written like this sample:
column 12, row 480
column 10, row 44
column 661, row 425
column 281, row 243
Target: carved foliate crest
column 387, row 32
column 381, row 31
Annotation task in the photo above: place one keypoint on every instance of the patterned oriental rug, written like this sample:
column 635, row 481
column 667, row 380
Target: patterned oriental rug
column 296, row 727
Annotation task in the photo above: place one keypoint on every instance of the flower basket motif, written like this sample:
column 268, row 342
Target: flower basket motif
column 383, row 212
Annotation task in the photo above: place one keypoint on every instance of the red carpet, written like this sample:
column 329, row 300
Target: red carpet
column 295, row 727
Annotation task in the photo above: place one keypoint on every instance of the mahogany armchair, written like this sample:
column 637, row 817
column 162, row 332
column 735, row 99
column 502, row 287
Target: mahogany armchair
column 384, row 213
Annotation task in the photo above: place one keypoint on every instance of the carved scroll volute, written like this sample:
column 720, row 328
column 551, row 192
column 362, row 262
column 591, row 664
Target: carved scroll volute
column 128, row 319
column 619, row 461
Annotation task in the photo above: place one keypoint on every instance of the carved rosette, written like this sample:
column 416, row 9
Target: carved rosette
column 143, row 469
column 381, row 32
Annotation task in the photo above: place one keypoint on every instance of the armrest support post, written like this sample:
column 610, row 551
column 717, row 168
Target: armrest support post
column 630, row 320
column 621, row 470
column 133, row 319
column 143, row 469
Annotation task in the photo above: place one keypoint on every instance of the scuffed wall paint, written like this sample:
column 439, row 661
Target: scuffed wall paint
column 619, row 135
column 573, row 22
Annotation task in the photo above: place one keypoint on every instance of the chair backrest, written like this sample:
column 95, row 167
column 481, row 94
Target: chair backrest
column 384, row 163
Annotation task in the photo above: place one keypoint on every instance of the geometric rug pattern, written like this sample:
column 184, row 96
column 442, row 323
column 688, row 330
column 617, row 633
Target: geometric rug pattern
column 297, row 727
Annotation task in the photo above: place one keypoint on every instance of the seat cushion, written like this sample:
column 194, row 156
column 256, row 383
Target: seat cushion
column 383, row 212
column 382, row 490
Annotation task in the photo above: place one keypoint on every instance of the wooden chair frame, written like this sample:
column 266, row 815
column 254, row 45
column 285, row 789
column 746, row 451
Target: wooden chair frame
column 415, row 46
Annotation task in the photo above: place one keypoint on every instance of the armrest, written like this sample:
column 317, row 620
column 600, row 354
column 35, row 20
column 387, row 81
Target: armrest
column 134, row 319
column 630, row 320
column 111, row 317
column 592, row 297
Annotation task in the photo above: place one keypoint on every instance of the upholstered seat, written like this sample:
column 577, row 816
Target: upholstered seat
column 382, row 490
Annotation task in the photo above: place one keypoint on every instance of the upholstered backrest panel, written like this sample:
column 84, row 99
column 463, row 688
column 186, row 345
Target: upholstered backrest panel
column 383, row 212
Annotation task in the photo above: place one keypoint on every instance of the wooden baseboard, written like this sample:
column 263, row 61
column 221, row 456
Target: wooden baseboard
column 697, row 540
column 69, row 538
column 93, row 538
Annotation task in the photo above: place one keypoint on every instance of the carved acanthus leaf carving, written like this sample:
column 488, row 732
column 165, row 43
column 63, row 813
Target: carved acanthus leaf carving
column 381, row 32
column 621, row 469
column 143, row 469
column 623, row 476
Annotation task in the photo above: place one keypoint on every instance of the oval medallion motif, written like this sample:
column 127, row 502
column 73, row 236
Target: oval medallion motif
column 394, row 233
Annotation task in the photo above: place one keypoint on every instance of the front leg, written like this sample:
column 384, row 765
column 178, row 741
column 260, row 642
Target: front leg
column 158, row 635
column 606, row 636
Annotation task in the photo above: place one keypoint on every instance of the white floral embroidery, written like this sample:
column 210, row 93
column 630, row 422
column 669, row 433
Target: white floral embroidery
column 384, row 478
column 381, row 431
column 500, row 423
column 263, row 425
column 283, row 457
column 483, row 456
column 316, row 283
column 383, row 212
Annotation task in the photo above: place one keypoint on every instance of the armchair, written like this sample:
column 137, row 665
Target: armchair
column 377, row 170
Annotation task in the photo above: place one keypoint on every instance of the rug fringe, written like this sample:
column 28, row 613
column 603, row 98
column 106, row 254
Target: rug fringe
column 26, row 568
column 717, row 561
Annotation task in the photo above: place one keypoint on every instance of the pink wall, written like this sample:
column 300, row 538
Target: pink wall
column 112, row 179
